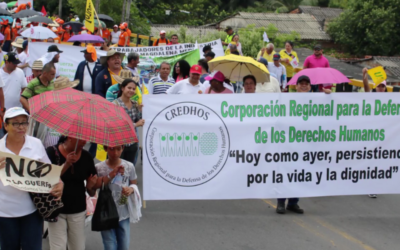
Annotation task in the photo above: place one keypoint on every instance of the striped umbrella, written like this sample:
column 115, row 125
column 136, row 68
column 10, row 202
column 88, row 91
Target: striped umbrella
column 83, row 116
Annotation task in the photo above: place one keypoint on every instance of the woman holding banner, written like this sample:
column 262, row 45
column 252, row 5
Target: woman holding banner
column 21, row 225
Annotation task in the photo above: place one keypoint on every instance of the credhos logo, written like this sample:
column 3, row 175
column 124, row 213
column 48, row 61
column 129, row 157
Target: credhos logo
column 187, row 144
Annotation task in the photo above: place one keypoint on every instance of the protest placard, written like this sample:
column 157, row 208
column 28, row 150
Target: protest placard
column 29, row 175
column 270, row 145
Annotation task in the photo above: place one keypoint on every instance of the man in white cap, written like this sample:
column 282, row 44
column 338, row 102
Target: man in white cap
column 115, row 33
column 162, row 41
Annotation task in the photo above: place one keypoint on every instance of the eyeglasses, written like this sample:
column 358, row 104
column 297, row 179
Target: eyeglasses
column 18, row 124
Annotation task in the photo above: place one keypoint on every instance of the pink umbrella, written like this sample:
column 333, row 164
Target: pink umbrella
column 320, row 76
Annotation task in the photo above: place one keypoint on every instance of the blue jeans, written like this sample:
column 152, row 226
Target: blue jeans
column 291, row 202
column 117, row 239
column 21, row 232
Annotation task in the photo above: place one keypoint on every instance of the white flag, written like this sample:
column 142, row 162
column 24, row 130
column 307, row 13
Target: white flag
column 265, row 37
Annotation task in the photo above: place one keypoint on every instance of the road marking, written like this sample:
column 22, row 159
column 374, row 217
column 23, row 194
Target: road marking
column 328, row 226
column 270, row 203
column 310, row 229
column 343, row 234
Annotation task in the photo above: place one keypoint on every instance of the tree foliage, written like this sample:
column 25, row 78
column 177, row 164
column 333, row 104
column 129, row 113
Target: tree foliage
column 137, row 23
column 369, row 27
column 250, row 37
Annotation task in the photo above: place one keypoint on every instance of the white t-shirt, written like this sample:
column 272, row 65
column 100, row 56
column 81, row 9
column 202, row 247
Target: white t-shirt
column 115, row 37
column 207, row 84
column 268, row 87
column 23, row 57
column 184, row 87
column 13, row 84
column 134, row 71
column 57, row 69
column 14, row 202
column 87, row 78
column 279, row 73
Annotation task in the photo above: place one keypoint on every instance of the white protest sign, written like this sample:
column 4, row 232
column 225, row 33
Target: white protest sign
column 69, row 59
column 294, row 63
column 216, row 47
column 29, row 175
column 265, row 37
column 270, row 145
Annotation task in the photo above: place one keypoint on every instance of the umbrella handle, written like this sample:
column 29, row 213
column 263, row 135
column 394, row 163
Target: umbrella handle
column 76, row 146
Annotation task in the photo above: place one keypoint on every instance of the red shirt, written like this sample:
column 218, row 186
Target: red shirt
column 7, row 34
column 106, row 34
column 15, row 33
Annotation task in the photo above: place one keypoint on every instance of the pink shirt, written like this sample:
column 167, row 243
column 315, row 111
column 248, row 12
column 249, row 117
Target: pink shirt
column 226, row 91
column 314, row 62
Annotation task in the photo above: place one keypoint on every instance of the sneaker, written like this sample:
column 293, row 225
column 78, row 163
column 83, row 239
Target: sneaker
column 280, row 208
column 373, row 196
column 295, row 208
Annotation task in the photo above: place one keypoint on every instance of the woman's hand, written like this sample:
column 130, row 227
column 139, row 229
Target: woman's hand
column 127, row 191
column 327, row 91
column 71, row 158
column 2, row 162
column 140, row 107
column 57, row 190
column 91, row 182
column 140, row 123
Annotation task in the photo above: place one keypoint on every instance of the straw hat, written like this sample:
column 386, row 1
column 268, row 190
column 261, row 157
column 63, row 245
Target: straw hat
column 126, row 74
column 37, row 65
column 18, row 43
column 63, row 82
column 110, row 53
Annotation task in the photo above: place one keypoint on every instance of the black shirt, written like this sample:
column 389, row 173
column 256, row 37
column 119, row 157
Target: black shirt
column 74, row 196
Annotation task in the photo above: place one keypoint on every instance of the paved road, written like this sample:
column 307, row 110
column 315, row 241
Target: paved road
column 343, row 223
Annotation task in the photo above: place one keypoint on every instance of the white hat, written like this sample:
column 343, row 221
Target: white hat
column 162, row 32
column 115, row 26
column 13, row 112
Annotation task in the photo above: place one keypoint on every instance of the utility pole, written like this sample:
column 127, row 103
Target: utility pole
column 97, row 6
column 123, row 12
column 128, row 10
column 60, row 8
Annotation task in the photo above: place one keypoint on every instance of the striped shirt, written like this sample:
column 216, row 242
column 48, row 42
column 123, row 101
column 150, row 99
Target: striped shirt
column 158, row 86
column 36, row 87
column 30, row 78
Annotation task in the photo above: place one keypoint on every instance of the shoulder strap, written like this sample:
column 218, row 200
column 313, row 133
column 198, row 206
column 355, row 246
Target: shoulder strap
column 57, row 155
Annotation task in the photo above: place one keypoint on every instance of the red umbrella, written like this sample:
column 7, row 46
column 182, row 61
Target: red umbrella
column 83, row 116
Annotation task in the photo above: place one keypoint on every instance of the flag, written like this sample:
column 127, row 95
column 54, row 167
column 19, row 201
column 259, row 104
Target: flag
column 44, row 12
column 89, row 16
column 377, row 75
column 265, row 37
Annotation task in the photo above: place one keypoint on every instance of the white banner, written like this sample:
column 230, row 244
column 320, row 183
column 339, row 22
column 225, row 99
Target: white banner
column 270, row 145
column 29, row 175
column 72, row 55
column 172, row 50
column 69, row 59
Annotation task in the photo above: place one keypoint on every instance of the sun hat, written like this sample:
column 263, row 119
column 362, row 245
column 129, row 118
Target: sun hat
column 216, row 75
column 18, row 43
column 110, row 53
column 37, row 65
column 126, row 74
column 63, row 82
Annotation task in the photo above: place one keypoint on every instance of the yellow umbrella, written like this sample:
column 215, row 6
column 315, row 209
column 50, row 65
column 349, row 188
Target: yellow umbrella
column 236, row 67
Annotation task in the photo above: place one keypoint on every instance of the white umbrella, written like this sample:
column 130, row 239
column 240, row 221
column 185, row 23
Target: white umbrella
column 38, row 32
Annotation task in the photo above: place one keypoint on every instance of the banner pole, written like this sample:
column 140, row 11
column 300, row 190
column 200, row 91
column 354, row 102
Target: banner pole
column 144, row 204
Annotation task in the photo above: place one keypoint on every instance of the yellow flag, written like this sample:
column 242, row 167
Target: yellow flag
column 101, row 154
column 377, row 75
column 89, row 16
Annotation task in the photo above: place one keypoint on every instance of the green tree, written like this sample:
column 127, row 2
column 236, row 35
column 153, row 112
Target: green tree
column 51, row 7
column 369, row 27
column 137, row 23
column 289, row 4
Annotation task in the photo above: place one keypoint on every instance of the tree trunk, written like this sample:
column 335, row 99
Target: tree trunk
column 60, row 8
column 97, row 6
column 123, row 12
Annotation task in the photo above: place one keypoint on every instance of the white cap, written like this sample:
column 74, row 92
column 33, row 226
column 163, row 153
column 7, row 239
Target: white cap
column 115, row 26
column 14, row 112
column 162, row 32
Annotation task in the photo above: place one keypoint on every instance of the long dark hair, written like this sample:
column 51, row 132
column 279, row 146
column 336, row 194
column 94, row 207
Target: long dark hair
column 184, row 67
column 124, row 84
